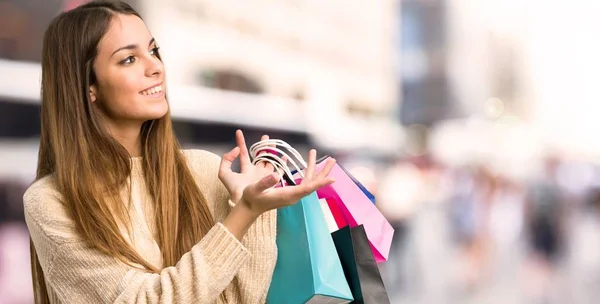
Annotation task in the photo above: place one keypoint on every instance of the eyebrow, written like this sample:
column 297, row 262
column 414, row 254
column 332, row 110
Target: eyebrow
column 131, row 47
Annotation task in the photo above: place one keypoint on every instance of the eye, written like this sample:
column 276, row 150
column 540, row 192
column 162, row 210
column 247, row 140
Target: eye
column 154, row 51
column 128, row 60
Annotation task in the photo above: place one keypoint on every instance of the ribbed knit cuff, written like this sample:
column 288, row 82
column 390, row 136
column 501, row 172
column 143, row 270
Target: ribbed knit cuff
column 221, row 248
column 265, row 225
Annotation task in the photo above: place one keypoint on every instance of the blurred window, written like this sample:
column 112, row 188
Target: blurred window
column 19, row 120
column 11, row 200
column 230, row 80
column 426, row 97
column 23, row 22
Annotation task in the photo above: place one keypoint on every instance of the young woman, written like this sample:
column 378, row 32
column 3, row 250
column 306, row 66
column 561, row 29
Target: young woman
column 118, row 212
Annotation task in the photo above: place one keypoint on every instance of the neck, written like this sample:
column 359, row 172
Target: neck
column 129, row 136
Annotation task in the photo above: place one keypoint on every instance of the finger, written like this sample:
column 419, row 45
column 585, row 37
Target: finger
column 268, row 166
column 284, row 160
column 291, row 194
column 312, row 159
column 327, row 168
column 320, row 183
column 265, row 183
column 228, row 159
column 263, row 138
column 314, row 185
column 241, row 143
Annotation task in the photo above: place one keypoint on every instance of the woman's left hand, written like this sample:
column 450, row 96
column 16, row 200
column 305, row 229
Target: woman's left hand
column 249, row 174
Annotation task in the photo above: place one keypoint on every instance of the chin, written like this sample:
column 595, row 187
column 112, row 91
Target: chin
column 157, row 114
column 158, row 109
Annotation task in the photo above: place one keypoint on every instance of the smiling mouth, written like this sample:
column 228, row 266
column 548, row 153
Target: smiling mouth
column 152, row 91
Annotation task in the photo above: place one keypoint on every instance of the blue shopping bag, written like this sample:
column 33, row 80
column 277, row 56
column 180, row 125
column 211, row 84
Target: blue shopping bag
column 308, row 268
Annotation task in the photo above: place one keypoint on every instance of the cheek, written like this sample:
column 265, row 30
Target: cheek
column 126, row 85
column 121, row 94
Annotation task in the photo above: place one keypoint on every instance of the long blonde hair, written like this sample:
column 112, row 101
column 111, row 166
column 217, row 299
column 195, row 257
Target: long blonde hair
column 90, row 167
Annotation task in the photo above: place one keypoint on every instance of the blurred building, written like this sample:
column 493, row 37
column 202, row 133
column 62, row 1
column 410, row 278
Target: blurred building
column 488, row 73
column 322, row 68
column 424, row 74
column 310, row 73
column 316, row 74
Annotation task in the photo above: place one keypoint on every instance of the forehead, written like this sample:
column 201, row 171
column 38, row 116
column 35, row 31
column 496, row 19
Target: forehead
column 124, row 30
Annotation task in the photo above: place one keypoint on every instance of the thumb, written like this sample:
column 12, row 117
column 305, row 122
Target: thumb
column 265, row 183
column 227, row 161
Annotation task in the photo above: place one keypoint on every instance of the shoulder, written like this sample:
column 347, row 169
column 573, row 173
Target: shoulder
column 204, row 166
column 45, row 212
column 202, row 162
column 42, row 195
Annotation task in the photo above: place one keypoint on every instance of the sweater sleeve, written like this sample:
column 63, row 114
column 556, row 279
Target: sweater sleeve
column 78, row 273
column 254, row 278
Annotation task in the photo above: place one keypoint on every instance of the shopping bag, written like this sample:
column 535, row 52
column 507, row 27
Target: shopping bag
column 359, row 265
column 356, row 209
column 329, row 219
column 360, row 185
column 336, row 212
column 356, row 182
column 308, row 269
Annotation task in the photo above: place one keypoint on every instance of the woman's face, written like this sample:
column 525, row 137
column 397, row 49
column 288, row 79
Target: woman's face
column 130, row 77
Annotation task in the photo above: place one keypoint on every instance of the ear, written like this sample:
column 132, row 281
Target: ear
column 93, row 93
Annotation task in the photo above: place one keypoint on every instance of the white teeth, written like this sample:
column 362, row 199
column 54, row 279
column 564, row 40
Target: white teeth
column 151, row 91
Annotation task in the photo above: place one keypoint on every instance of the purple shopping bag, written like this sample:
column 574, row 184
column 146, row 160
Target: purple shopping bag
column 357, row 209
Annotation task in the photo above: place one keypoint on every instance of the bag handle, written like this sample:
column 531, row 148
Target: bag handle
column 279, row 165
column 272, row 151
column 273, row 155
column 274, row 145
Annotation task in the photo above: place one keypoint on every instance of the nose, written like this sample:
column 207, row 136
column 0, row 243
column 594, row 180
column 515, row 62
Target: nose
column 154, row 67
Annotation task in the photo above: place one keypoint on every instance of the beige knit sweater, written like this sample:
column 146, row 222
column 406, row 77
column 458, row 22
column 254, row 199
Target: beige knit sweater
column 77, row 273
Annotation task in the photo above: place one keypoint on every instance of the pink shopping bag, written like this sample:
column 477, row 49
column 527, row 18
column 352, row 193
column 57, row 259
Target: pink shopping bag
column 338, row 216
column 356, row 208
